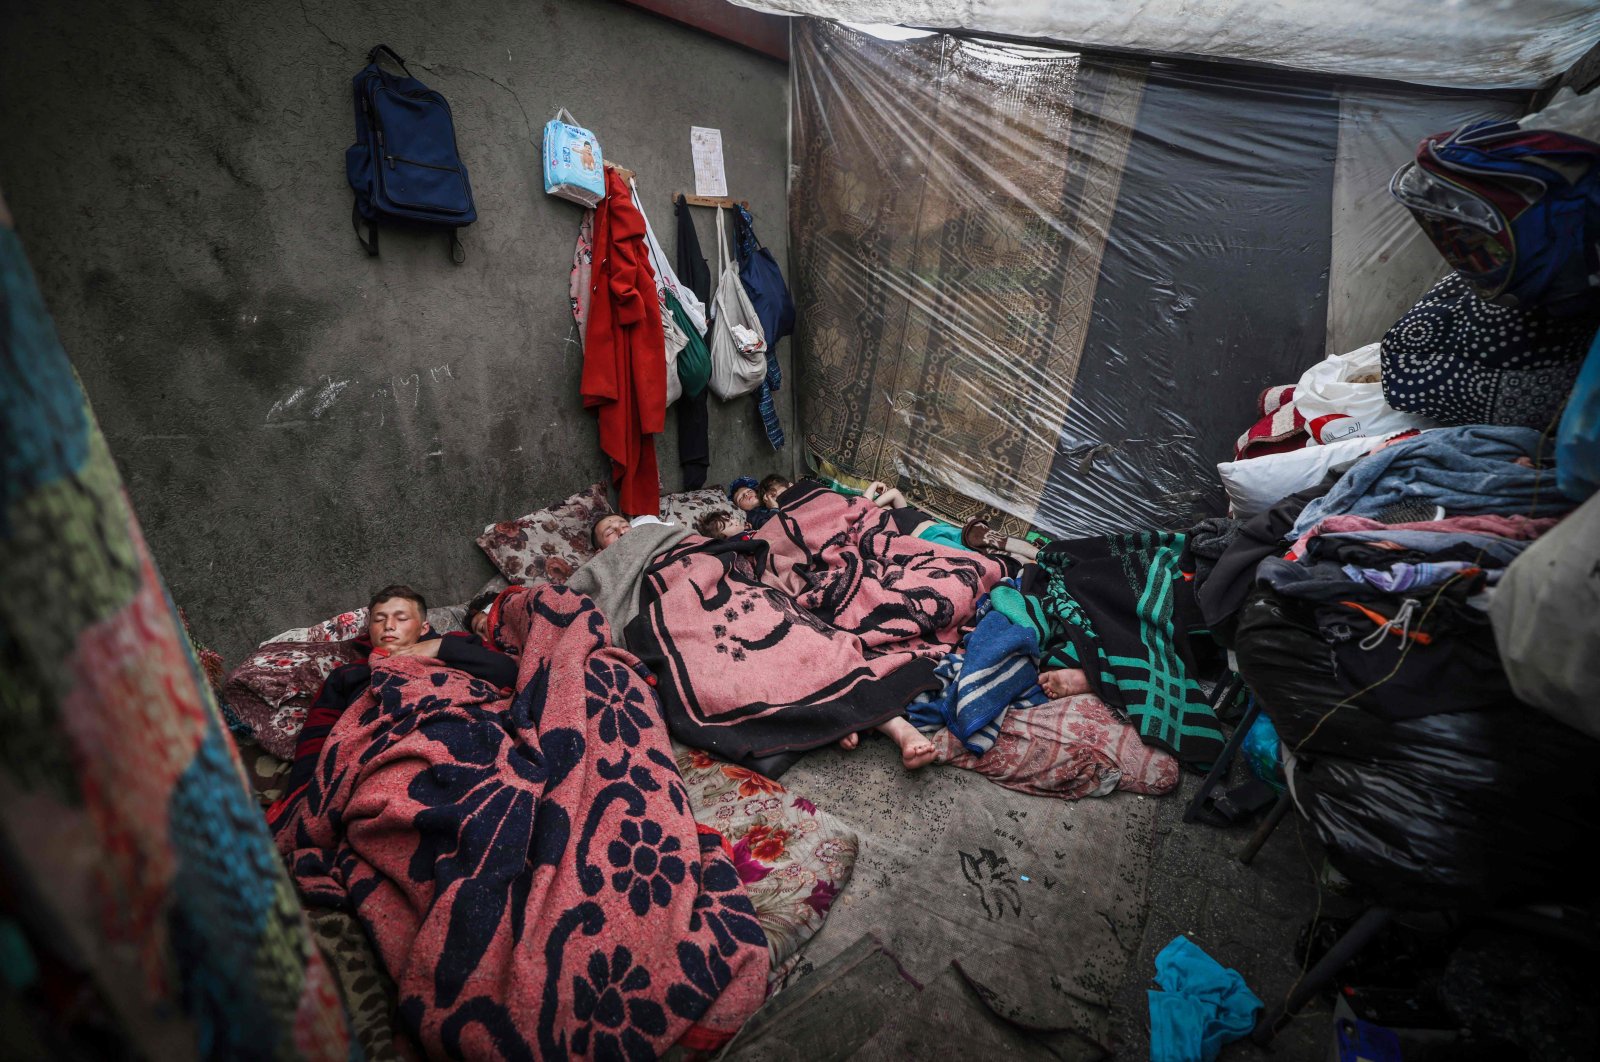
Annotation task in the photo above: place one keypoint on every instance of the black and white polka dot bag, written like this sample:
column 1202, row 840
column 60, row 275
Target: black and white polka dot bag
column 1460, row 360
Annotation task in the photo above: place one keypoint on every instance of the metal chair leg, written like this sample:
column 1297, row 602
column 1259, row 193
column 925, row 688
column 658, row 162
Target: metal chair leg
column 1270, row 823
column 1219, row 770
column 1344, row 949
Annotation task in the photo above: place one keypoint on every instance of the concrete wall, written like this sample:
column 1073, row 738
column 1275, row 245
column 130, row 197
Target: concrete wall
column 298, row 423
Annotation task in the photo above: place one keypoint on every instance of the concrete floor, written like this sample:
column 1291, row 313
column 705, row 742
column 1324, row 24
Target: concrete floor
column 1246, row 917
column 855, row 1006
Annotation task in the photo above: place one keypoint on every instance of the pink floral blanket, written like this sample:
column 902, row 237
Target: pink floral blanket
column 528, row 867
column 1068, row 748
column 828, row 622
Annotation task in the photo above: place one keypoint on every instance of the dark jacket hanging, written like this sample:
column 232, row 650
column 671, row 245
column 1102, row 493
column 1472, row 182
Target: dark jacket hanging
column 763, row 282
column 694, row 428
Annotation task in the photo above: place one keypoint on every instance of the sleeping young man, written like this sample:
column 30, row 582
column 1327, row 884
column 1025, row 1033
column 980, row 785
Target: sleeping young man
column 397, row 625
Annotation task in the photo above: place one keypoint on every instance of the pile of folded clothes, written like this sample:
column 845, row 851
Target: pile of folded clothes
column 1410, row 576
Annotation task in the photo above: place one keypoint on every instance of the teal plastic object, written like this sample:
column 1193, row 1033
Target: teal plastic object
column 1263, row 754
column 18, row 968
column 1578, row 437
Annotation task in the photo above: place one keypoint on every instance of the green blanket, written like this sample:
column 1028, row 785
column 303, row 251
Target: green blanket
column 1120, row 608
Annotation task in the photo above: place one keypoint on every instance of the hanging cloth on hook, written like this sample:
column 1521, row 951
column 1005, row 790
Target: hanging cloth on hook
column 738, row 348
column 624, row 351
column 694, row 418
column 682, row 306
column 667, row 278
column 763, row 282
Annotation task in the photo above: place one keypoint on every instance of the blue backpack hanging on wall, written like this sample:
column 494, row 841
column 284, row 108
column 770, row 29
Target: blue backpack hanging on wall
column 404, row 166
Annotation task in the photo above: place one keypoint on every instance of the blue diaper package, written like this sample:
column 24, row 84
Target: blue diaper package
column 573, row 168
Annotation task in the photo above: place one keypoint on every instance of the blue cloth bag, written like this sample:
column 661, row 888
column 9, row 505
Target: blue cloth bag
column 769, row 294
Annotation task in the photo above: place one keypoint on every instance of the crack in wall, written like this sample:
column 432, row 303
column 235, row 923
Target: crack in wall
column 442, row 67
column 447, row 68
column 307, row 18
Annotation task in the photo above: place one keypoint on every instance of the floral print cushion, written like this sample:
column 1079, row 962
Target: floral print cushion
column 271, row 690
column 547, row 545
column 690, row 505
column 793, row 859
column 552, row 543
column 340, row 628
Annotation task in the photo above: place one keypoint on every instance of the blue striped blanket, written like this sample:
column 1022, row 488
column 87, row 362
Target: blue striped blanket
column 996, row 668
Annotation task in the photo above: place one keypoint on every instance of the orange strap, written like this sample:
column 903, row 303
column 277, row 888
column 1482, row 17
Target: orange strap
column 1420, row 637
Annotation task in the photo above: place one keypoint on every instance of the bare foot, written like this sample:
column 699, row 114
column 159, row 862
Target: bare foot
column 849, row 741
column 1063, row 682
column 1022, row 549
column 915, row 750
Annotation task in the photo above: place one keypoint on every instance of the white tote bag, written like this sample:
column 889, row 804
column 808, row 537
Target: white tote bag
column 738, row 347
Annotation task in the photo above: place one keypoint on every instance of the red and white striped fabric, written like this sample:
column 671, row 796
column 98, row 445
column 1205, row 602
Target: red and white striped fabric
column 1280, row 429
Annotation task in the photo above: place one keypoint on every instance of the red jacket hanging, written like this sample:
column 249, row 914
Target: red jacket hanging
column 624, row 350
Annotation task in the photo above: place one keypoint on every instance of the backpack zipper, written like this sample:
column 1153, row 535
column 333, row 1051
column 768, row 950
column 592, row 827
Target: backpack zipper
column 392, row 159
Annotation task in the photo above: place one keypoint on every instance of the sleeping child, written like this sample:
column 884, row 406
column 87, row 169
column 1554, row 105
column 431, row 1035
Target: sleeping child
column 975, row 536
column 720, row 526
column 757, row 500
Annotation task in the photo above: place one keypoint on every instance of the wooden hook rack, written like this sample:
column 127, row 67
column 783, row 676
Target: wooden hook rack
column 622, row 171
column 713, row 201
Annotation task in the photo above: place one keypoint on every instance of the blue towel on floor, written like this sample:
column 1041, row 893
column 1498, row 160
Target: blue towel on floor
column 1204, row 1005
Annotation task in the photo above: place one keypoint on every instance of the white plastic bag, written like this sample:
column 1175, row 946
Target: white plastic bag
column 1546, row 614
column 1341, row 397
column 573, row 168
column 737, row 368
column 666, row 276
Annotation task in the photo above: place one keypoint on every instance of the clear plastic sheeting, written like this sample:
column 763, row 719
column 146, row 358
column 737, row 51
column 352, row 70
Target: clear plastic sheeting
column 1382, row 260
column 1475, row 44
column 1046, row 290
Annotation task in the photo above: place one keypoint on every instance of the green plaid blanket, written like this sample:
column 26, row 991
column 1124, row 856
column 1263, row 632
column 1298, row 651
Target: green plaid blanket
column 1120, row 608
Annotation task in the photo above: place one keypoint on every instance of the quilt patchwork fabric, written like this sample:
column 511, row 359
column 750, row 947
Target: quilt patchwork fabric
column 271, row 690
column 793, row 858
column 126, row 812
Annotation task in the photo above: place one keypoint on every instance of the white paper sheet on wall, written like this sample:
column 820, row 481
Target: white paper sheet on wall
column 709, row 176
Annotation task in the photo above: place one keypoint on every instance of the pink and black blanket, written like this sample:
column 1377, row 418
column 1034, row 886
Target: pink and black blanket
column 528, row 867
column 827, row 622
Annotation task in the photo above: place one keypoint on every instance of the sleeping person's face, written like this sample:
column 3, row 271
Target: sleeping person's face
column 745, row 498
column 395, row 624
column 479, row 624
column 609, row 530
